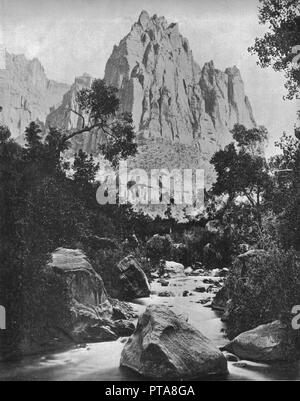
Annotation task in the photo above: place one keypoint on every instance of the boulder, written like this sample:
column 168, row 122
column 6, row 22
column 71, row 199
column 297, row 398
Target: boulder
column 267, row 343
column 95, row 317
column 133, row 282
column 164, row 283
column 221, row 300
column 159, row 246
column 165, row 347
column 189, row 271
column 197, row 272
column 98, row 333
column 90, row 305
column 123, row 328
column 166, row 294
column 200, row 289
column 122, row 310
column 174, row 269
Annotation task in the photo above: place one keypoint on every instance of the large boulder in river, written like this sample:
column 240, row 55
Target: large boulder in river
column 133, row 282
column 159, row 247
column 94, row 317
column 267, row 343
column 174, row 269
column 165, row 347
column 89, row 301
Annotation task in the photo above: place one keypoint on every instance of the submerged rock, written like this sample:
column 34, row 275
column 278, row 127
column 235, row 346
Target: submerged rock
column 267, row 343
column 166, row 294
column 164, row 346
column 200, row 289
column 164, row 283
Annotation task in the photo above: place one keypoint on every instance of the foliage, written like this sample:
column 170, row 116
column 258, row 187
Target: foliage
column 282, row 18
column 100, row 101
column 120, row 143
column 268, row 293
column 241, row 170
column 159, row 247
column 5, row 133
column 84, row 167
column 99, row 110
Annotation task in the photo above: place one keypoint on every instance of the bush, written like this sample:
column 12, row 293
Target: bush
column 268, row 292
column 159, row 247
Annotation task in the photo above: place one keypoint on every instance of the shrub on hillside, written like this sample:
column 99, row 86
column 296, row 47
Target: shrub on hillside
column 159, row 247
column 268, row 292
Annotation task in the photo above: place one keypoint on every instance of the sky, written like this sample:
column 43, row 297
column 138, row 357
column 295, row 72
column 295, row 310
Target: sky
column 71, row 37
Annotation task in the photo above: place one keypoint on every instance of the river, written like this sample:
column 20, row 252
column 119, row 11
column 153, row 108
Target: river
column 100, row 362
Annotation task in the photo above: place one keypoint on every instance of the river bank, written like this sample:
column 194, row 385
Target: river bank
column 100, row 361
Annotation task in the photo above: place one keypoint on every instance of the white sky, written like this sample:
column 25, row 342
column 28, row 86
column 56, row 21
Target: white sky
column 71, row 37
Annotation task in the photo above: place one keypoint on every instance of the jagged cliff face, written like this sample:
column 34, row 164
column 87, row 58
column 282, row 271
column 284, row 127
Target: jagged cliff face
column 169, row 95
column 65, row 118
column 173, row 100
column 26, row 94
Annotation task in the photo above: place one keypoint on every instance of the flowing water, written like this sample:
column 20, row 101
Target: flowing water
column 100, row 362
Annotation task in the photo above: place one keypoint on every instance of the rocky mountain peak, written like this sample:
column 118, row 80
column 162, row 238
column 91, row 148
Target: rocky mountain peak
column 182, row 112
column 26, row 94
column 144, row 19
column 168, row 93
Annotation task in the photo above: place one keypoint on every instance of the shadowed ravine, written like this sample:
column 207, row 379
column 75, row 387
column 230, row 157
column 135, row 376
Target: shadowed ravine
column 100, row 362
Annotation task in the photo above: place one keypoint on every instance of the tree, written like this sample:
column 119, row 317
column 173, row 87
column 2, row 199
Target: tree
column 120, row 144
column 5, row 133
column 286, row 160
column 282, row 167
column 99, row 110
column 242, row 171
column 276, row 47
column 85, row 169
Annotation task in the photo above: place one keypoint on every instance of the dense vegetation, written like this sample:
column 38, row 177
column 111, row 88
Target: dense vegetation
column 270, row 220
